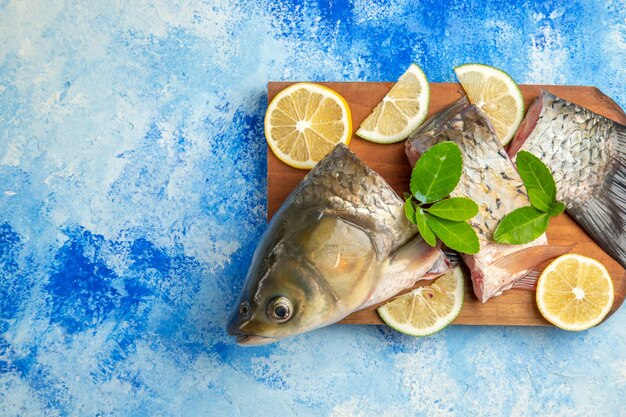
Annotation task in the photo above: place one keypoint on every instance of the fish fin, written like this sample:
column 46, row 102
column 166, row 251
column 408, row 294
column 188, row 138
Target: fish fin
column 453, row 257
column 414, row 261
column 604, row 216
column 507, row 270
column 441, row 265
column 411, row 255
column 528, row 281
column 528, row 258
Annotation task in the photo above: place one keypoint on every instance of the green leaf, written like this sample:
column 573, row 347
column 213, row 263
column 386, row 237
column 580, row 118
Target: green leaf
column 459, row 236
column 522, row 225
column 556, row 209
column 536, row 176
column 437, row 172
column 456, row 208
column 424, row 229
column 539, row 199
column 409, row 210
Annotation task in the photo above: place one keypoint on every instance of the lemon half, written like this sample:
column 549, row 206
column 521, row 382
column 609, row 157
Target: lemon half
column 304, row 122
column 575, row 292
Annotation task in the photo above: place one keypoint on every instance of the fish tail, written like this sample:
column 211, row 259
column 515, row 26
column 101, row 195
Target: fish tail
column 604, row 216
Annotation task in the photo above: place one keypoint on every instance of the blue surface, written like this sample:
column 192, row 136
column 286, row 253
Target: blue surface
column 132, row 193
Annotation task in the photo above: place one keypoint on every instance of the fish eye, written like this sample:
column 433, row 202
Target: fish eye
column 244, row 309
column 279, row 309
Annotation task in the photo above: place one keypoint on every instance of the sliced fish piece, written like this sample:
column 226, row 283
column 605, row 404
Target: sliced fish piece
column 586, row 153
column 490, row 179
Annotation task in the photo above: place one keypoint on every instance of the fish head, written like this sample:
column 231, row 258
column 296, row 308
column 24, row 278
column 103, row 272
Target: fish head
column 309, row 278
column 285, row 300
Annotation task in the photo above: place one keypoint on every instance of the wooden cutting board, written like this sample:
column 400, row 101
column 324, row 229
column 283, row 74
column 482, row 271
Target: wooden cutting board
column 514, row 307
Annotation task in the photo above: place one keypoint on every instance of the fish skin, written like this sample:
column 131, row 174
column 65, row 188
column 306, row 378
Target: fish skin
column 339, row 243
column 490, row 179
column 586, row 154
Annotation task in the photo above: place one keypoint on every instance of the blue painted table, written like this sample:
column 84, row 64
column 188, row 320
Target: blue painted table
column 132, row 193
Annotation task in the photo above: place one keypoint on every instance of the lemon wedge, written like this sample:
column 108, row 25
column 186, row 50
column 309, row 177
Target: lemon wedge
column 304, row 122
column 496, row 94
column 426, row 310
column 575, row 292
column 401, row 111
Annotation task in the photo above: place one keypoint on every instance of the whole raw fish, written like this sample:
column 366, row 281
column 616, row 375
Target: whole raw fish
column 586, row 154
column 339, row 243
column 490, row 179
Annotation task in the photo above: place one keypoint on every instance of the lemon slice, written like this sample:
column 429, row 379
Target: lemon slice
column 402, row 110
column 575, row 292
column 426, row 310
column 304, row 122
column 496, row 94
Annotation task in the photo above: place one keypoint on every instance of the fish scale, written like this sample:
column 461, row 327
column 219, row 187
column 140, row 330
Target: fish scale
column 356, row 191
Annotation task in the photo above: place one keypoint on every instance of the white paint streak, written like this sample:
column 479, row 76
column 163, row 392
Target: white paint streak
column 621, row 373
column 548, row 58
column 17, row 398
column 430, row 391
